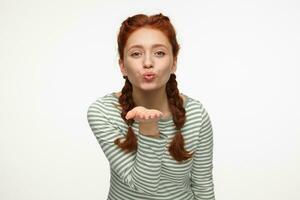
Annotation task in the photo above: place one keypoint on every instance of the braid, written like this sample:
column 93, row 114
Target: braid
column 175, row 102
column 126, row 102
column 176, row 148
column 162, row 23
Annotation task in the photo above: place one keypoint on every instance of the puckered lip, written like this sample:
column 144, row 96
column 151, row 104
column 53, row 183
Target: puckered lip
column 149, row 74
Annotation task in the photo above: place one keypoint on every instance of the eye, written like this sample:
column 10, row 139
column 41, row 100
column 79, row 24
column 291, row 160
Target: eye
column 161, row 53
column 134, row 54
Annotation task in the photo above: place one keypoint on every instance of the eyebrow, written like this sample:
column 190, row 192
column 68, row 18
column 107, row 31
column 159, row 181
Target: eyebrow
column 154, row 45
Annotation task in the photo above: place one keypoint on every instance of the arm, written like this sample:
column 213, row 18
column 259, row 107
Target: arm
column 201, row 172
column 140, row 170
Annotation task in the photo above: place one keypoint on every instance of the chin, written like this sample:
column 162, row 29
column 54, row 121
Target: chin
column 150, row 87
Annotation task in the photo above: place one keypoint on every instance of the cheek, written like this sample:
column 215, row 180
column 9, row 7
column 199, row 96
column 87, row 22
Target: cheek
column 166, row 71
column 165, row 75
column 129, row 66
column 132, row 73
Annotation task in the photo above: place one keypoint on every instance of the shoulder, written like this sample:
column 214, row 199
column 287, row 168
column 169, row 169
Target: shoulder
column 103, row 104
column 194, row 104
column 195, row 110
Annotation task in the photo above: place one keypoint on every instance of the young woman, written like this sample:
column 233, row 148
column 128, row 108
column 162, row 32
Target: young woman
column 158, row 141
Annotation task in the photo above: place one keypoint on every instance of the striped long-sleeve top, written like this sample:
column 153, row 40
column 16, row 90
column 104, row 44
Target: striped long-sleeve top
column 150, row 173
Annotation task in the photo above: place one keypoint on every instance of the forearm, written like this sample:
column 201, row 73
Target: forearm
column 146, row 170
column 140, row 171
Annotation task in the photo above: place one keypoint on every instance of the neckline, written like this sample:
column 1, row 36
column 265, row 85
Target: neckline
column 113, row 94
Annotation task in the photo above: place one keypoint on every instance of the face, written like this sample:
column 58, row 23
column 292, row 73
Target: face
column 148, row 50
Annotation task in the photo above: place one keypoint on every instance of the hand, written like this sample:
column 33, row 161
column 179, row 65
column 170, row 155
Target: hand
column 144, row 115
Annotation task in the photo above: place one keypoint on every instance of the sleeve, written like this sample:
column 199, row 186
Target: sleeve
column 201, row 173
column 139, row 170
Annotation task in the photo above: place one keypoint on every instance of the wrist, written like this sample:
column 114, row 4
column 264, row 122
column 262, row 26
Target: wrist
column 149, row 129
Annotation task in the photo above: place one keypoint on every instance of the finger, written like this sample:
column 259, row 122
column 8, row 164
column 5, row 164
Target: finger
column 148, row 115
column 129, row 115
column 159, row 114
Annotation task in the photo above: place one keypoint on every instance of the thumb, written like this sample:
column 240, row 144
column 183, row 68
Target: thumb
column 128, row 115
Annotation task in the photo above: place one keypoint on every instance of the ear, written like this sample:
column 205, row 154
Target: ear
column 174, row 67
column 122, row 67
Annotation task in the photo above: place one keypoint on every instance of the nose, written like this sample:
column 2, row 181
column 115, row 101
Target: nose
column 148, row 61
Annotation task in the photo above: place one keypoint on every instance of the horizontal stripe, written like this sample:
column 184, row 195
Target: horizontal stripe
column 151, row 173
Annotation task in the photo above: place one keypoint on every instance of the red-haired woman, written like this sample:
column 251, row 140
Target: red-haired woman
column 158, row 141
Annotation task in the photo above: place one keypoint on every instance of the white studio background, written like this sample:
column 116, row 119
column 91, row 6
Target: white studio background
column 239, row 58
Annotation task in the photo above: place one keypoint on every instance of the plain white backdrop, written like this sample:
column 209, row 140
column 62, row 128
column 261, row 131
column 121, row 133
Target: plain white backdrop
column 239, row 58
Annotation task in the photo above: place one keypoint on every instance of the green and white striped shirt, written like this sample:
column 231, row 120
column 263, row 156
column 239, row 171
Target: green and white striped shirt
column 151, row 173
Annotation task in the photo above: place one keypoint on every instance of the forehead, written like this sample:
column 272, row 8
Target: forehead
column 147, row 38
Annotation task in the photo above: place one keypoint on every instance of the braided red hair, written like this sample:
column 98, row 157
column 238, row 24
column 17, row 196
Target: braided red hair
column 175, row 101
